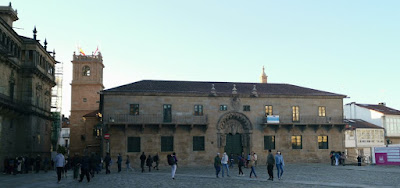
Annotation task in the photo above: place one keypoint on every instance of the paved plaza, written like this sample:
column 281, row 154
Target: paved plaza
column 295, row 175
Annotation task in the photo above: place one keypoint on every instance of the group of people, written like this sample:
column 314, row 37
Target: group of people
column 25, row 164
column 149, row 160
column 337, row 158
column 249, row 162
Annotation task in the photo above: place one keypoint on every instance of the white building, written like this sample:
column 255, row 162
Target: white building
column 380, row 115
column 360, row 139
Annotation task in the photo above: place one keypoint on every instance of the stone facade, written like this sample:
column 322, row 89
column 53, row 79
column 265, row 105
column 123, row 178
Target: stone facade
column 218, row 126
column 26, row 79
column 87, row 81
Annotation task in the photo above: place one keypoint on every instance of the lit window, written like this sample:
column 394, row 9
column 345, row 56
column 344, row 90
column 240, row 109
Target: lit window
column 321, row 111
column 297, row 142
column 296, row 114
column 322, row 142
column 268, row 110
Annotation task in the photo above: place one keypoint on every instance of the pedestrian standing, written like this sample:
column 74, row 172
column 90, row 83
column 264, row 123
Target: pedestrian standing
column 19, row 167
column 46, row 163
column 93, row 164
column 231, row 161
column 217, row 164
column 85, row 162
column 224, row 162
column 59, row 162
column 279, row 164
column 240, row 165
column 332, row 156
column 248, row 160
column 270, row 165
column 38, row 161
column 255, row 158
column 76, row 162
column 337, row 157
column 174, row 165
column 149, row 162
column 343, row 158
column 119, row 162
column 128, row 164
column 27, row 164
column 156, row 159
column 107, row 160
column 142, row 161
column 5, row 164
column 359, row 160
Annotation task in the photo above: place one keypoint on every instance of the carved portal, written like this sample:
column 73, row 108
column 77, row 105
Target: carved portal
column 234, row 123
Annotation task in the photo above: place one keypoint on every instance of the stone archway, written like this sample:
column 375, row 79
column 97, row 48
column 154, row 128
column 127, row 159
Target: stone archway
column 231, row 124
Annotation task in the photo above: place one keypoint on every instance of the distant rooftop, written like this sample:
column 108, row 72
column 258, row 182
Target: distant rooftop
column 221, row 88
column 380, row 108
column 359, row 123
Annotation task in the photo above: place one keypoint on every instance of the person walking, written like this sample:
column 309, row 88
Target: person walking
column 107, row 160
column 217, row 164
column 279, row 164
column 46, row 163
column 248, row 160
column 59, row 162
column 85, row 162
column 93, row 165
column 255, row 158
column 156, row 159
column 128, row 164
column 149, row 162
column 240, row 165
column 224, row 162
column 270, row 165
column 119, row 162
column 253, row 165
column 142, row 161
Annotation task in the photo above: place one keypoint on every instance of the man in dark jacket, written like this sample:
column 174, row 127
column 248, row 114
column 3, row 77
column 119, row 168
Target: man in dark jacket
column 38, row 161
column 85, row 162
column 93, row 164
column 217, row 164
column 270, row 165
column 119, row 161
column 76, row 162
column 142, row 161
column 149, row 162
column 156, row 159
column 107, row 160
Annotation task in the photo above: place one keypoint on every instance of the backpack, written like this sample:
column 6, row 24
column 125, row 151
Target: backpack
column 171, row 160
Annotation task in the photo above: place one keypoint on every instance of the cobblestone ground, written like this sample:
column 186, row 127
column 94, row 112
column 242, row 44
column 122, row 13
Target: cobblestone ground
column 295, row 175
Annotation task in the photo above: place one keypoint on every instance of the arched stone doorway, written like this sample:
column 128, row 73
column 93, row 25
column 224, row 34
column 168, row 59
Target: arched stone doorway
column 234, row 130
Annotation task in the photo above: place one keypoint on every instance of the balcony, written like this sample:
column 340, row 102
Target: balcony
column 155, row 119
column 304, row 120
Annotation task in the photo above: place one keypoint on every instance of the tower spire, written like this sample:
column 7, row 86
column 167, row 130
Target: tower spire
column 263, row 76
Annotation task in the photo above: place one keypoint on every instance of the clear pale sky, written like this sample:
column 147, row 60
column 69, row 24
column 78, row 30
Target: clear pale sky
column 341, row 46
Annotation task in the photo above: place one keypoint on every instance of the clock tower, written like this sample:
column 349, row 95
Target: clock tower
column 87, row 82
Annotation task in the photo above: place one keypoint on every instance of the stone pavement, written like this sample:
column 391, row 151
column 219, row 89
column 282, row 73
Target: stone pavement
column 295, row 175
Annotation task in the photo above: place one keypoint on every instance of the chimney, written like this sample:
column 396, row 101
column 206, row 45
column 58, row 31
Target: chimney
column 8, row 14
column 382, row 104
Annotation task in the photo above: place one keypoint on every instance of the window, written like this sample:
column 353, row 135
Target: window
column 269, row 142
column 198, row 143
column 84, row 99
column 296, row 142
column 86, row 71
column 321, row 111
column 246, row 107
column 296, row 114
column 133, row 144
column 198, row 110
column 167, row 113
column 223, row 107
column 134, row 109
column 322, row 142
column 268, row 110
column 167, row 143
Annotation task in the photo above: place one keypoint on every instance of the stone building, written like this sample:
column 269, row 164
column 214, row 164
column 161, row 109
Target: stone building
column 26, row 79
column 198, row 119
column 87, row 82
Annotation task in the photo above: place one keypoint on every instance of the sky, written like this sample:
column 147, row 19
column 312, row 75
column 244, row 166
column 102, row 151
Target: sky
column 341, row 46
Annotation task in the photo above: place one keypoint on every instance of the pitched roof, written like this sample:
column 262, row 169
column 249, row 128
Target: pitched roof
column 92, row 114
column 380, row 108
column 359, row 123
column 221, row 88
